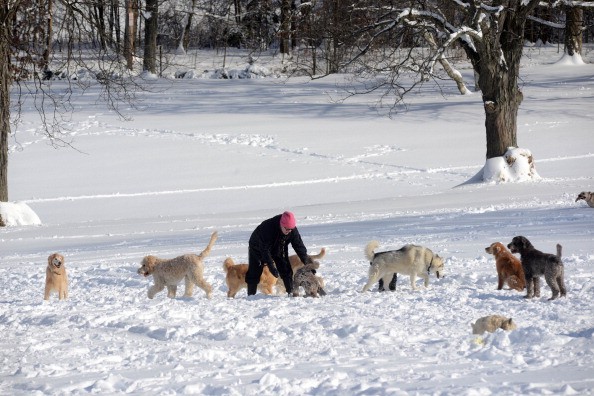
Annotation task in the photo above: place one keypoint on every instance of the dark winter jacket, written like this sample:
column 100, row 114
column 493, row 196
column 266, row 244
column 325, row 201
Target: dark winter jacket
column 270, row 244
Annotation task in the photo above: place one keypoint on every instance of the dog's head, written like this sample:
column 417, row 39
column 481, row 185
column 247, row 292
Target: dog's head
column 147, row 266
column 436, row 266
column 519, row 244
column 55, row 261
column 508, row 325
column 495, row 248
column 585, row 195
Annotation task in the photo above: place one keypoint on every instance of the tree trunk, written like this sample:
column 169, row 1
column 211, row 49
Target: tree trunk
column 285, row 27
column 574, row 20
column 130, row 32
column 5, row 83
column 499, row 71
column 48, row 36
column 150, row 36
column 188, row 27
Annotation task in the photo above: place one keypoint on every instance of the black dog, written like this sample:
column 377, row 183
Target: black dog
column 536, row 263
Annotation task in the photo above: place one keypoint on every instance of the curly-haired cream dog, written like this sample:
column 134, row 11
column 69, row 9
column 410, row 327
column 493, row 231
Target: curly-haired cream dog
column 587, row 196
column 169, row 272
column 491, row 323
column 296, row 263
column 56, row 278
column 536, row 263
column 410, row 260
column 509, row 268
column 235, row 278
column 306, row 278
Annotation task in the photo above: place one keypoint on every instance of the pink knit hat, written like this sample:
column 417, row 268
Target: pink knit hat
column 288, row 220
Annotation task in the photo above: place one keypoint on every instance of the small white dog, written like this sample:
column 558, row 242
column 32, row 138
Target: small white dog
column 56, row 278
column 410, row 260
column 491, row 323
column 169, row 272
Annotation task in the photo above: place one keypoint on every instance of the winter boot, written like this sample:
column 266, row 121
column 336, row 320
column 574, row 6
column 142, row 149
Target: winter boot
column 252, row 288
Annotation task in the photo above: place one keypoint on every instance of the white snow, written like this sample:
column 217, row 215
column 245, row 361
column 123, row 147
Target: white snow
column 203, row 155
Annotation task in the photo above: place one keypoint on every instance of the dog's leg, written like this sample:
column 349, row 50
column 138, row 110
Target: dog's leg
column 529, row 287
column 536, row 286
column 551, row 280
column 561, row 283
column 201, row 283
column 154, row 289
column 413, row 281
column 374, row 275
column 171, row 291
column 500, row 280
column 189, row 286
column 426, row 278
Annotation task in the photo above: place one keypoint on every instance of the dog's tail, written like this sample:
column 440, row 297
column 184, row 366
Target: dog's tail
column 228, row 264
column 370, row 248
column 321, row 291
column 559, row 247
column 206, row 251
column 319, row 255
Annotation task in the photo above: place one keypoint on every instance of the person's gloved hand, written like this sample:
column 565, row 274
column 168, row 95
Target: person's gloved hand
column 273, row 270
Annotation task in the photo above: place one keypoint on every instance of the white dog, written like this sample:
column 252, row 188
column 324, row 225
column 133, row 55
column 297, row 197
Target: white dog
column 169, row 272
column 410, row 260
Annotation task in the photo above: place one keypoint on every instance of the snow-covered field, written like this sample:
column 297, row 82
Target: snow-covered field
column 205, row 155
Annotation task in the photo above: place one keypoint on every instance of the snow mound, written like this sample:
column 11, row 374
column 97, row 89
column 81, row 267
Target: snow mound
column 516, row 165
column 18, row 213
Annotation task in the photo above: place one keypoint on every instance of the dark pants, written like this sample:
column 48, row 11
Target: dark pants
column 256, row 266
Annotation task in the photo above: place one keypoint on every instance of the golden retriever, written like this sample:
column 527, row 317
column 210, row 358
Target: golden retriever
column 56, row 278
column 235, row 278
column 169, row 272
column 509, row 267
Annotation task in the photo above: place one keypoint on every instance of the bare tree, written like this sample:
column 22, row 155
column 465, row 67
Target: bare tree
column 491, row 33
column 150, row 35
column 30, row 69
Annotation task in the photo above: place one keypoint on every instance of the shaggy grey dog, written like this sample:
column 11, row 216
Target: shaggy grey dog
column 536, row 263
column 306, row 277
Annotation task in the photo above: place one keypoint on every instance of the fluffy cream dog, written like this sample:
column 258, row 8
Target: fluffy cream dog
column 235, row 278
column 491, row 323
column 410, row 260
column 56, row 278
column 169, row 272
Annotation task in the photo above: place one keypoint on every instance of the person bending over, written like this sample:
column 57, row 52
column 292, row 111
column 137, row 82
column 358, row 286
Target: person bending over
column 269, row 245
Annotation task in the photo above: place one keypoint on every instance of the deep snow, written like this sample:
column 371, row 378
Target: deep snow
column 224, row 155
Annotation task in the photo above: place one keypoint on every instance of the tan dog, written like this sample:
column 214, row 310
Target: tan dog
column 509, row 267
column 169, row 272
column 296, row 263
column 491, row 323
column 56, row 278
column 235, row 278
